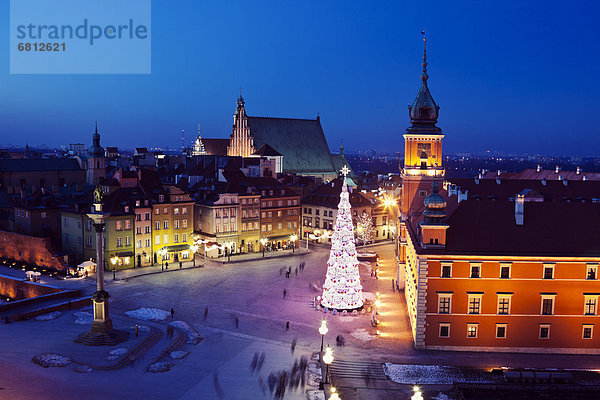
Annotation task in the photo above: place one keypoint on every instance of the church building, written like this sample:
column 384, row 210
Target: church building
column 297, row 145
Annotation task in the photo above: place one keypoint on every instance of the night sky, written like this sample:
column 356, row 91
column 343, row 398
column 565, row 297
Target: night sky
column 512, row 77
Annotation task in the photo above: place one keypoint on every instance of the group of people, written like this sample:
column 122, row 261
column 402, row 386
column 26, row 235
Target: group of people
column 279, row 382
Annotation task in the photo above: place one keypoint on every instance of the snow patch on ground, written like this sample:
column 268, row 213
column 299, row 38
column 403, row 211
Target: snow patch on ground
column 177, row 355
column 313, row 373
column 440, row 396
column 49, row 316
column 430, row 374
column 162, row 366
column 83, row 317
column 193, row 336
column 51, row 360
column 83, row 369
column 148, row 314
column 363, row 335
column 116, row 353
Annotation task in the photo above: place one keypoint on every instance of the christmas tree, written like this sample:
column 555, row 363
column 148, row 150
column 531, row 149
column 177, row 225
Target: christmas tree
column 342, row 289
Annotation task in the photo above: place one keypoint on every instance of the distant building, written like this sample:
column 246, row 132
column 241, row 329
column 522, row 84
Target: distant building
column 96, row 162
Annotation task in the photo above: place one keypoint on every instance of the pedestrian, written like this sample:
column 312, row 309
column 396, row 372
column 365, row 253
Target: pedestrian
column 287, row 326
column 205, row 312
column 180, row 264
column 237, row 322
column 293, row 346
column 337, row 341
column 167, row 265
column 172, row 312
column 261, row 360
column 287, row 274
column 254, row 362
column 284, row 293
column 296, row 271
column 137, row 330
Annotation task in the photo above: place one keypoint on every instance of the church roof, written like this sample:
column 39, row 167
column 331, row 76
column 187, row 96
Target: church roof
column 215, row 147
column 301, row 142
column 267, row 151
column 339, row 160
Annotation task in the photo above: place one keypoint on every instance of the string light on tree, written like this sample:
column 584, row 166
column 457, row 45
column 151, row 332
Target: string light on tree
column 342, row 289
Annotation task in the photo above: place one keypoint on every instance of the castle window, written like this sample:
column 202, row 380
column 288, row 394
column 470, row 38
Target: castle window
column 587, row 331
column 504, row 271
column 444, row 330
column 548, row 271
column 472, row 330
column 444, row 300
column 501, row 331
column 446, row 270
column 474, row 304
column 544, row 331
column 547, row 304
column 590, row 305
column 591, row 272
column 504, row 304
column 475, row 271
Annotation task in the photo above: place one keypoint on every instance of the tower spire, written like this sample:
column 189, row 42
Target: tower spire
column 424, row 75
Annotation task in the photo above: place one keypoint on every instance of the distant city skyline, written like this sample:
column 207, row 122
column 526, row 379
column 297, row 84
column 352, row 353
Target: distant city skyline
column 513, row 78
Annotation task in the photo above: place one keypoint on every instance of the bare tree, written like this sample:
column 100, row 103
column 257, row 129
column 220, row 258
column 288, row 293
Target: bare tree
column 364, row 229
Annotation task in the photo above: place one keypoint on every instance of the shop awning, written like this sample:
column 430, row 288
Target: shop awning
column 176, row 247
column 125, row 254
column 284, row 237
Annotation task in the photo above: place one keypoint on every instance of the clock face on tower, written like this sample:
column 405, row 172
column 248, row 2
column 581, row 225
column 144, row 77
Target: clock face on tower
column 424, row 147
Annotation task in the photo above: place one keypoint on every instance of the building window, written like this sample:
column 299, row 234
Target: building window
column 176, row 237
column 161, row 198
column 184, row 210
column 504, row 271
column 270, row 227
column 119, row 225
column 587, row 331
column 127, row 224
column 176, row 211
column 157, row 239
column 279, row 213
column 544, row 331
column 157, row 225
column 147, row 216
column 548, row 271
column 66, row 221
column 88, row 225
column 444, row 330
column 165, row 239
column 476, row 271
column 444, row 303
column 127, row 240
column 138, row 230
column 119, row 242
column 474, row 304
column 590, row 305
column 165, row 210
column 264, row 228
column 157, row 211
column 88, row 241
column 472, row 330
column 446, row 270
column 422, row 193
column 147, row 229
column 147, row 242
column 139, row 244
column 138, row 217
column 165, row 224
column 176, row 223
column 184, row 237
column 501, row 331
column 547, row 304
column 256, row 226
column 503, row 304
column 592, row 271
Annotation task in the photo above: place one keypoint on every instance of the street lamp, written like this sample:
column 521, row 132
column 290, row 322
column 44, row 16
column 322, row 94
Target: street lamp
column 327, row 359
column 417, row 393
column 334, row 395
column 293, row 238
column 162, row 253
column 194, row 249
column 263, row 242
column 323, row 331
column 114, row 261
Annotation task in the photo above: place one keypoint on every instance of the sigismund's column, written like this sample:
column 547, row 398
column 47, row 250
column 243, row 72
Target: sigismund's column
column 102, row 332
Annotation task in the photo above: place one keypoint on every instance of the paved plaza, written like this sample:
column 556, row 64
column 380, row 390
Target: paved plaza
column 219, row 366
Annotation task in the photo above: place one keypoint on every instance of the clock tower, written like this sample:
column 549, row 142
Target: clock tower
column 422, row 149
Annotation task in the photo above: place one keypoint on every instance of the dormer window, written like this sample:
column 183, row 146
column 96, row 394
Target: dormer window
column 161, row 198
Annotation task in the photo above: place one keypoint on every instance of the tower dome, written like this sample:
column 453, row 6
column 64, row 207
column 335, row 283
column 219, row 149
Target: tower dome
column 435, row 206
column 95, row 149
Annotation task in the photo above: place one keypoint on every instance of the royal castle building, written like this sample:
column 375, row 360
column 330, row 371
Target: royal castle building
column 495, row 264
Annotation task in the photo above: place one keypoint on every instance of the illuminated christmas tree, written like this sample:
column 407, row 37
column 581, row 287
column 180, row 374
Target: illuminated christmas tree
column 342, row 289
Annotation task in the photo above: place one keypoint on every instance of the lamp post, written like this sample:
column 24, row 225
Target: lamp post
column 327, row 359
column 334, row 395
column 194, row 249
column 114, row 260
column 323, row 331
column 263, row 242
column 417, row 393
column 162, row 252
column 293, row 238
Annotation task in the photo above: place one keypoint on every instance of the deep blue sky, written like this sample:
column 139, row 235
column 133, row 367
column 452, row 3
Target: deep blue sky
column 509, row 76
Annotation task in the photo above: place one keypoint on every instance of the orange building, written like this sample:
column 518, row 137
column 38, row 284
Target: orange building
column 509, row 268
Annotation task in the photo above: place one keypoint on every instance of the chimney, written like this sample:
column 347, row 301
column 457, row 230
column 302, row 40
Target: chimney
column 557, row 169
column 519, row 209
column 498, row 180
column 544, row 181
column 539, row 168
column 578, row 170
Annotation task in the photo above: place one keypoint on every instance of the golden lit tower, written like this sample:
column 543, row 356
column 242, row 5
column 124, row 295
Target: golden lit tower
column 422, row 148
